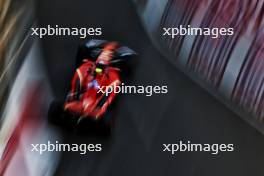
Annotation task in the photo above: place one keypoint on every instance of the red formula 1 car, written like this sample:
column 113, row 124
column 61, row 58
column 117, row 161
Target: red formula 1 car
column 100, row 65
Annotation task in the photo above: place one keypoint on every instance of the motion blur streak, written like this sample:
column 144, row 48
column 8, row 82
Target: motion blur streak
column 230, row 67
column 21, row 94
column 8, row 22
column 15, row 17
column 23, row 121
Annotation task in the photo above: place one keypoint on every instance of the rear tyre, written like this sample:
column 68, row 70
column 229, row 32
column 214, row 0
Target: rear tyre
column 55, row 112
column 58, row 116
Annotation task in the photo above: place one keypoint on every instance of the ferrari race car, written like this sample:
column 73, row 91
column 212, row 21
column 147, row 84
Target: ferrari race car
column 100, row 65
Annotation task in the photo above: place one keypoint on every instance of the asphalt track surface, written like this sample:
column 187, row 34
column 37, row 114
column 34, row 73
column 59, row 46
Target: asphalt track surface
column 143, row 123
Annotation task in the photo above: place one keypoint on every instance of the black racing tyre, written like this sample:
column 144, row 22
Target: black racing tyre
column 55, row 112
column 58, row 116
column 83, row 53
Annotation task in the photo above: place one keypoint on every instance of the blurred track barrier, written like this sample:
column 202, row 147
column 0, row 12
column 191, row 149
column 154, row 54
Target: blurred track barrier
column 24, row 95
column 24, row 121
column 230, row 67
column 15, row 19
